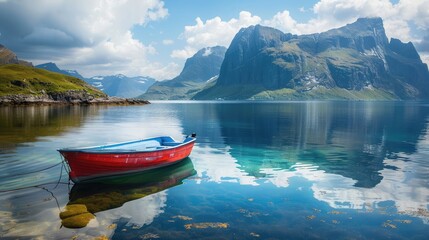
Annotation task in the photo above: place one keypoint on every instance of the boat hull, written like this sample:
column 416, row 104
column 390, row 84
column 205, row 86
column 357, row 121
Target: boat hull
column 88, row 165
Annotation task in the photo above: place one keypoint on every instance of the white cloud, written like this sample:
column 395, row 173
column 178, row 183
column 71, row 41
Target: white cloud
column 336, row 13
column 163, row 71
column 213, row 32
column 416, row 11
column 425, row 57
column 344, row 10
column 207, row 52
column 93, row 36
column 284, row 22
column 185, row 53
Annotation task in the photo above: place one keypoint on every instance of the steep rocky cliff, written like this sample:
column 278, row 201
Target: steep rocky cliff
column 352, row 62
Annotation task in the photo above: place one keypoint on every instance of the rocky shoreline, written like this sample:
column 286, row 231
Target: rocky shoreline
column 69, row 97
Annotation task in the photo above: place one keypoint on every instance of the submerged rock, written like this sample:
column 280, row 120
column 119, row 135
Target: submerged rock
column 206, row 225
column 76, row 216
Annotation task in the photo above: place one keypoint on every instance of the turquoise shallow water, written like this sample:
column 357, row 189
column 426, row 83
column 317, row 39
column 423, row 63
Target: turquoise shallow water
column 259, row 170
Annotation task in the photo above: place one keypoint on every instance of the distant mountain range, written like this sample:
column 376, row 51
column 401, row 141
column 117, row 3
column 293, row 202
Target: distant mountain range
column 121, row 85
column 352, row 62
column 117, row 85
column 54, row 68
column 199, row 71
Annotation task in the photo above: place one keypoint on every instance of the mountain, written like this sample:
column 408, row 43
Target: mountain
column 356, row 61
column 54, row 68
column 19, row 81
column 9, row 57
column 20, row 84
column 115, row 85
column 201, row 69
column 121, row 85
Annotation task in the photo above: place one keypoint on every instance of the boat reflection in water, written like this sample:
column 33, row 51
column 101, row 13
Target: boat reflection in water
column 90, row 197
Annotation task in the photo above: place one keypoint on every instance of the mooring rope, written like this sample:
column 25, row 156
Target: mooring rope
column 40, row 170
column 53, row 195
column 61, row 175
column 33, row 186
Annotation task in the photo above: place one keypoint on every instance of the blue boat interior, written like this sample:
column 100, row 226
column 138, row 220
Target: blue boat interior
column 151, row 144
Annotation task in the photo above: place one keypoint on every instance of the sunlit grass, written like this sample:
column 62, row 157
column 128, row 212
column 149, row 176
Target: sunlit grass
column 19, row 79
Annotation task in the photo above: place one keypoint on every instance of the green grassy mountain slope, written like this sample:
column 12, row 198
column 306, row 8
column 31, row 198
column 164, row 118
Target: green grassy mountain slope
column 18, row 79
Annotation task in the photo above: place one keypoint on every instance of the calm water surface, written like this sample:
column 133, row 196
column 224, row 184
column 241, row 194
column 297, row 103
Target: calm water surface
column 259, row 170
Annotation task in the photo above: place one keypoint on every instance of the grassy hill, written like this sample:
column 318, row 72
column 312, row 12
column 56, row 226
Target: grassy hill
column 18, row 79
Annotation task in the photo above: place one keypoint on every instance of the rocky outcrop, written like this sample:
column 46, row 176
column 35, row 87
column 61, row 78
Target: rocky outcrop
column 246, row 62
column 263, row 61
column 68, row 97
column 9, row 57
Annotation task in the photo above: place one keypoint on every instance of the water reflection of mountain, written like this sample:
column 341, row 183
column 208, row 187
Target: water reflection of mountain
column 27, row 123
column 351, row 139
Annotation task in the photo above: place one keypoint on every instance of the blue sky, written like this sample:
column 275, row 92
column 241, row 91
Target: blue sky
column 154, row 37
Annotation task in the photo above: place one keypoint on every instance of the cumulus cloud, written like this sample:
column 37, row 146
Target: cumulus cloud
column 213, row 32
column 92, row 35
column 284, row 22
column 185, row 53
column 331, row 14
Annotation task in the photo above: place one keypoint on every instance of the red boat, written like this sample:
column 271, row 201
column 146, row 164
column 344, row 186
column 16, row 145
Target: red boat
column 127, row 157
